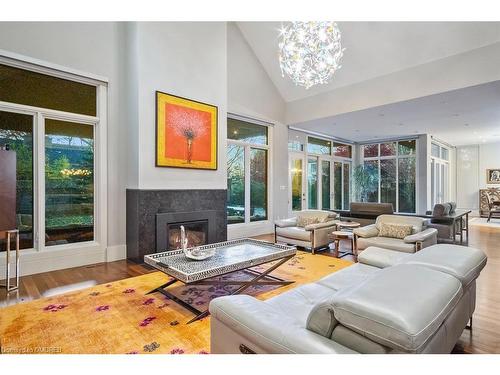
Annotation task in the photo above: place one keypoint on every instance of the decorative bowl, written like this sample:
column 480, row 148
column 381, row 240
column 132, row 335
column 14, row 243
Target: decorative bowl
column 199, row 254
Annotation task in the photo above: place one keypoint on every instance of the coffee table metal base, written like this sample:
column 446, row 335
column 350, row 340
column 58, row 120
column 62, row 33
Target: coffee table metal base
column 260, row 278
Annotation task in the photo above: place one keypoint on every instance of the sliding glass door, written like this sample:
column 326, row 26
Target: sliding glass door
column 326, row 196
column 312, row 183
column 297, row 194
column 341, row 185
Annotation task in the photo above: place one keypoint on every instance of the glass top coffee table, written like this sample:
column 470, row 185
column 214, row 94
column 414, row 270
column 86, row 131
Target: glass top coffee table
column 230, row 256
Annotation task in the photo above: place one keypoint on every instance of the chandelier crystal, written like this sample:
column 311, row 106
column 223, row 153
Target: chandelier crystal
column 310, row 52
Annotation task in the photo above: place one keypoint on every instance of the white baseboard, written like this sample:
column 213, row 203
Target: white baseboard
column 117, row 252
column 58, row 258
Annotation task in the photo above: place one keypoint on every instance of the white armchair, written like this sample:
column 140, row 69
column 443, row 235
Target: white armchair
column 419, row 238
column 313, row 236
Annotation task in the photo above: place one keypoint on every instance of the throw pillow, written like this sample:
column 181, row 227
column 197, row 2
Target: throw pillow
column 395, row 230
column 303, row 221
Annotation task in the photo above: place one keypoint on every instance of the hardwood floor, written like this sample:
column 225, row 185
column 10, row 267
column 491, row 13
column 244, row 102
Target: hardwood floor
column 483, row 338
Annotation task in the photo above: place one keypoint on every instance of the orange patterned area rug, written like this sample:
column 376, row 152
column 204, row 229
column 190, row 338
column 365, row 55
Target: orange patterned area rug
column 120, row 318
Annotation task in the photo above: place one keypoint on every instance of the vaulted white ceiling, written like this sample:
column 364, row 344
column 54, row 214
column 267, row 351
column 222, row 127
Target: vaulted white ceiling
column 373, row 49
column 466, row 116
column 397, row 79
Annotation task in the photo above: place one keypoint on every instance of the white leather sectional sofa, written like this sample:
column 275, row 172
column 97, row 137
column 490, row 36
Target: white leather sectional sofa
column 389, row 302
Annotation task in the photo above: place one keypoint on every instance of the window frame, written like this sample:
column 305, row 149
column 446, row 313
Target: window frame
column 99, row 123
column 396, row 157
column 247, row 146
column 320, row 157
column 441, row 163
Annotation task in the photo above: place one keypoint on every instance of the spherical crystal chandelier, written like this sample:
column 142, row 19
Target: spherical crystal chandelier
column 310, row 52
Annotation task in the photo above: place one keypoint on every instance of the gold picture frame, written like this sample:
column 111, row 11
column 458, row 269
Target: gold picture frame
column 493, row 176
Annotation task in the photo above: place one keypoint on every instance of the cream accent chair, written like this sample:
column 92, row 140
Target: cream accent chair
column 313, row 236
column 421, row 236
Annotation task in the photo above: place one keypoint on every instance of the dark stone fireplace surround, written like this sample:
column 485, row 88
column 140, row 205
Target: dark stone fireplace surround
column 143, row 207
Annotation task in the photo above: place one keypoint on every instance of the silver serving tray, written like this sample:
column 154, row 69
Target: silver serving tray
column 228, row 257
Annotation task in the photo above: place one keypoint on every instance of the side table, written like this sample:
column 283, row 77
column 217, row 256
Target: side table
column 342, row 235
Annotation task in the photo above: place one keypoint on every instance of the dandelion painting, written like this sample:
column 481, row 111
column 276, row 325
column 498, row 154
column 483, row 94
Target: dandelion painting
column 186, row 133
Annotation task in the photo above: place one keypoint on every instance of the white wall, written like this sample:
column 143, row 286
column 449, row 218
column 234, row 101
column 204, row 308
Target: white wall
column 489, row 158
column 96, row 48
column 468, row 177
column 186, row 59
column 472, row 161
column 251, row 93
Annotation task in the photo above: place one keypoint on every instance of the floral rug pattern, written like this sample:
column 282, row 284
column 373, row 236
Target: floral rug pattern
column 119, row 317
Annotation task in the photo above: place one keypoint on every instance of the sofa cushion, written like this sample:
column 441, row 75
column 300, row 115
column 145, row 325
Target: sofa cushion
column 303, row 221
column 392, row 230
column 386, row 243
column 418, row 223
column 294, row 232
column 381, row 258
column 298, row 302
column 352, row 275
column 321, row 215
column 464, row 263
column 400, row 307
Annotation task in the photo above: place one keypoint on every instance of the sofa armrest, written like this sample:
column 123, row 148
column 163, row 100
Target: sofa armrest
column 421, row 236
column 367, row 231
column 292, row 222
column 312, row 227
column 266, row 327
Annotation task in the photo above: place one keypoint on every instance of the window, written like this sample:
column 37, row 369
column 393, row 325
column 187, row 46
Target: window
column 342, row 150
column 320, row 175
column 247, row 172
column 235, row 184
column 40, row 90
column 318, row 146
column 325, row 185
column 50, row 123
column 389, row 174
column 440, row 173
column 69, row 182
column 246, row 132
column 258, row 184
column 312, row 183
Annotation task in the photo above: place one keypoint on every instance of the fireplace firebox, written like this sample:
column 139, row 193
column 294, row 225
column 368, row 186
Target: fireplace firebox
column 199, row 226
column 196, row 234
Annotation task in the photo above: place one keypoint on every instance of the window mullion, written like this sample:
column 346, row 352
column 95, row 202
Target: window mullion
column 39, row 188
column 247, row 184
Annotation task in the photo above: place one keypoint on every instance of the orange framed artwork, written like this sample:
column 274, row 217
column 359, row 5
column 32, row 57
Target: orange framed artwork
column 186, row 133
